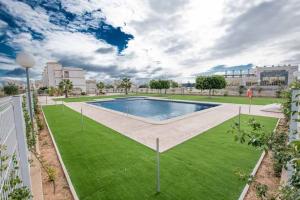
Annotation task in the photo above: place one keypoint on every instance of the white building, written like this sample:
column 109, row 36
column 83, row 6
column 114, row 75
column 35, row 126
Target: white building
column 91, row 87
column 54, row 73
column 272, row 76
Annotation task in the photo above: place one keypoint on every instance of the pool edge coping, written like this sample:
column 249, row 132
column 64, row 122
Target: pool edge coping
column 174, row 119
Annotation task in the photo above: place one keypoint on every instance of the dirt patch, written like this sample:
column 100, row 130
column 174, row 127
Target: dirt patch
column 265, row 174
column 48, row 154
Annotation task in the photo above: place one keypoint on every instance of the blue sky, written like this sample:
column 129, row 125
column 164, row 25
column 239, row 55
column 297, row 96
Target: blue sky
column 146, row 39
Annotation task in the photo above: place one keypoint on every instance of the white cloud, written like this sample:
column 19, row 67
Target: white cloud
column 171, row 38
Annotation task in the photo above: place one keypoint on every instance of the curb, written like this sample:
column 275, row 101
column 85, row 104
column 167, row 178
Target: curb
column 254, row 171
column 72, row 189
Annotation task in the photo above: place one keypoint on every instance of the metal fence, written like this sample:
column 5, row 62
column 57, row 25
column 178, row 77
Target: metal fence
column 13, row 145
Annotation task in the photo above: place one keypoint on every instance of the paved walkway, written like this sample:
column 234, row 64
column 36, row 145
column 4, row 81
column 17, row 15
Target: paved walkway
column 48, row 100
column 172, row 133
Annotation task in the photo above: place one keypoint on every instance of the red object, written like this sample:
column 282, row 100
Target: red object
column 249, row 93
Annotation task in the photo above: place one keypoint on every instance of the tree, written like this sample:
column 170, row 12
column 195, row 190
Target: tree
column 42, row 90
column 100, row 86
column 53, row 91
column 11, row 89
column 210, row 83
column 200, row 83
column 143, row 86
column 160, row 84
column 174, row 84
column 126, row 84
column 66, row 86
column 164, row 84
column 154, row 84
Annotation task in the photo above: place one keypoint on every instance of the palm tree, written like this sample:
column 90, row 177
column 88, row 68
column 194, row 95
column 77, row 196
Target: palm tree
column 66, row 86
column 126, row 84
column 100, row 86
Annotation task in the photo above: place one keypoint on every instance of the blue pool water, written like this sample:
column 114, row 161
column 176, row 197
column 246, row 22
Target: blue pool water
column 152, row 109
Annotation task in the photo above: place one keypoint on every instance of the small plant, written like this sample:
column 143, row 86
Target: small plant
column 22, row 193
column 13, row 182
column 261, row 190
column 51, row 173
column 39, row 123
column 244, row 176
column 30, row 134
column 288, row 193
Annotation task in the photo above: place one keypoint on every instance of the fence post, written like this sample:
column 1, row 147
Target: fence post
column 81, row 119
column 158, row 167
column 21, row 140
column 240, row 119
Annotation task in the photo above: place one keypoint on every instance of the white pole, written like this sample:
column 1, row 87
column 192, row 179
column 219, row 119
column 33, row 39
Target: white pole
column 81, row 120
column 46, row 100
column 240, row 119
column 63, row 107
column 29, row 97
column 250, row 104
column 158, row 166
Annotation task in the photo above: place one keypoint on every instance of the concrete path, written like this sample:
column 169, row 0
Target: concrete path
column 172, row 133
column 48, row 100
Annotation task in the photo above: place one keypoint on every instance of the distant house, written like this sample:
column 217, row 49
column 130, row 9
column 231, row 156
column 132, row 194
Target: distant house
column 91, row 87
column 54, row 73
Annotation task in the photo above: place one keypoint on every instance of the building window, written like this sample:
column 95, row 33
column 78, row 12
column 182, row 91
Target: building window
column 274, row 77
column 66, row 74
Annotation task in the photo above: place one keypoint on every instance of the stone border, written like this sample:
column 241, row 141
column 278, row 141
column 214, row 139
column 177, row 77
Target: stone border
column 254, row 171
column 72, row 189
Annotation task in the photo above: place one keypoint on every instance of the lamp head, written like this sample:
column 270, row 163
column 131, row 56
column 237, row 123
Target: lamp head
column 25, row 60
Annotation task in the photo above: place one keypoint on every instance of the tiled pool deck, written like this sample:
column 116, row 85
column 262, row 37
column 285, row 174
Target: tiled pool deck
column 171, row 133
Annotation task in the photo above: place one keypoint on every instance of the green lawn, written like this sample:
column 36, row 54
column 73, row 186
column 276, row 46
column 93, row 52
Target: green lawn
column 84, row 98
column 228, row 99
column 220, row 99
column 104, row 164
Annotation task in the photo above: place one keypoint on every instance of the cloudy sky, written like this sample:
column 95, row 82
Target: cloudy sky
column 146, row 39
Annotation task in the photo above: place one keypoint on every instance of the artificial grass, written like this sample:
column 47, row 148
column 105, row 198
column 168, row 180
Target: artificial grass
column 220, row 99
column 229, row 99
column 104, row 164
column 85, row 98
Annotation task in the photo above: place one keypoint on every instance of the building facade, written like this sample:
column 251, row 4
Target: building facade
column 91, row 87
column 54, row 73
column 273, row 76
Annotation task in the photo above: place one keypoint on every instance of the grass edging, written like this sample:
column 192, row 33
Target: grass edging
column 255, row 169
column 72, row 189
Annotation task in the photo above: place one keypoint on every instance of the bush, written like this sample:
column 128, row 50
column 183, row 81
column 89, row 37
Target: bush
column 261, row 190
column 11, row 89
column 83, row 93
column 210, row 83
column 39, row 123
column 242, row 89
column 226, row 93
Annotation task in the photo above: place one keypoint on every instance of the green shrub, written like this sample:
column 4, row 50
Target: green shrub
column 11, row 89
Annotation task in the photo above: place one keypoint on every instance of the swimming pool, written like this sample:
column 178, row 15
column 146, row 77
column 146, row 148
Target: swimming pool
column 153, row 109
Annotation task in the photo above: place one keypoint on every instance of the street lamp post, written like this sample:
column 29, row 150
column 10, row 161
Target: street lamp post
column 27, row 61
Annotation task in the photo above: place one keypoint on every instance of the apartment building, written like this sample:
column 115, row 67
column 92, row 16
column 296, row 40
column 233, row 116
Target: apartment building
column 91, row 87
column 54, row 73
column 268, row 76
